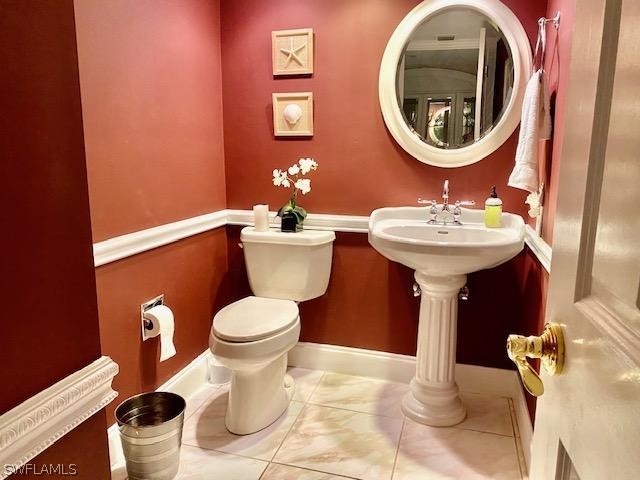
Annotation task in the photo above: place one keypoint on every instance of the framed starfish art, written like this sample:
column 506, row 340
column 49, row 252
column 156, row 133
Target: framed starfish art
column 292, row 51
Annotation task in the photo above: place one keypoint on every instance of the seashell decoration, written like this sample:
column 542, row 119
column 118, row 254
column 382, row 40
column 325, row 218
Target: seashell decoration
column 292, row 113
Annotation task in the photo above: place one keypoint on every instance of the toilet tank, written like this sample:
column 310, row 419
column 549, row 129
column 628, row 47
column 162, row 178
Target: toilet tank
column 289, row 266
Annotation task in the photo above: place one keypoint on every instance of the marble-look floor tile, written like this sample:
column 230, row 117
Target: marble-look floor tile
column 429, row 453
column 342, row 442
column 200, row 464
column 486, row 413
column 206, row 429
column 285, row 472
column 361, row 394
column 195, row 401
column 306, row 382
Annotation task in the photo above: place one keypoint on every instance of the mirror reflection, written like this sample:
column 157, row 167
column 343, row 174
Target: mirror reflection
column 455, row 78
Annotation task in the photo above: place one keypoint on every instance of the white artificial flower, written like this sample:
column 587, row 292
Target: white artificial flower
column 277, row 177
column 304, row 185
column 533, row 200
column 294, row 169
column 280, row 178
column 307, row 164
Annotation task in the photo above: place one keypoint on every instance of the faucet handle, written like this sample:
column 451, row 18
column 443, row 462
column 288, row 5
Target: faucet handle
column 433, row 209
column 457, row 212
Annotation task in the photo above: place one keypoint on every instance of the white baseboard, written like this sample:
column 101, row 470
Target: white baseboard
column 190, row 378
column 396, row 368
column 353, row 361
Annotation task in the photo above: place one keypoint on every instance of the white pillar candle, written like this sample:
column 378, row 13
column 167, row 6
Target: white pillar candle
column 261, row 218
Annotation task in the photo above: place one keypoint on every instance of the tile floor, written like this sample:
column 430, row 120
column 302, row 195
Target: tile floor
column 340, row 426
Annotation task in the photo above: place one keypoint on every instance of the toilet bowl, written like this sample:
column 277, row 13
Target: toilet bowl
column 252, row 336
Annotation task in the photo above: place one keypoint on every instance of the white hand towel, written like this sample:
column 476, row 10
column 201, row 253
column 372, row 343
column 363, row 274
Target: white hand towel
column 534, row 126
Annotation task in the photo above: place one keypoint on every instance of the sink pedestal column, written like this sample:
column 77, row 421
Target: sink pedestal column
column 433, row 398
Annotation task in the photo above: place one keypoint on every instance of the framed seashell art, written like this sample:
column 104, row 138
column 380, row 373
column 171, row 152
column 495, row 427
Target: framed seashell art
column 293, row 114
column 292, row 51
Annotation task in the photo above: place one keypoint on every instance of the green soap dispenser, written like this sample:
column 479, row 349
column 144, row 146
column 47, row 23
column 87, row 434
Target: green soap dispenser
column 493, row 210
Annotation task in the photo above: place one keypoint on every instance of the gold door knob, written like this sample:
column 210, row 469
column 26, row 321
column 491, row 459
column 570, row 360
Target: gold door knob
column 549, row 347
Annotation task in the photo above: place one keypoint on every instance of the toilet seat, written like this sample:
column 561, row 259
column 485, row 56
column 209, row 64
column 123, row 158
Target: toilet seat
column 254, row 318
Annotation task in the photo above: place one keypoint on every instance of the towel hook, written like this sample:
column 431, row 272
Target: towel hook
column 555, row 20
column 541, row 43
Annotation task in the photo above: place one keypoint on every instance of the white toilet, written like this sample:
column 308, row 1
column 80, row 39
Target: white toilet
column 252, row 336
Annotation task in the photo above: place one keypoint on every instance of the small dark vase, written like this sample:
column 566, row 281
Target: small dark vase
column 290, row 223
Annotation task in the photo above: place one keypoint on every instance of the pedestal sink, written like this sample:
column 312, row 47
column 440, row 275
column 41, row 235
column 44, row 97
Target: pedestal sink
column 442, row 256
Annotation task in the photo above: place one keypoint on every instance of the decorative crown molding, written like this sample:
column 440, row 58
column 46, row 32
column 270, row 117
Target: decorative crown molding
column 40, row 421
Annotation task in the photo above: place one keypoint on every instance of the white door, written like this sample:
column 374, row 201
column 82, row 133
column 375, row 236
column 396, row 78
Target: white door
column 479, row 83
column 587, row 423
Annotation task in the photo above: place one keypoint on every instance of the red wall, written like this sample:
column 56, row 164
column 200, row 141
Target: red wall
column 369, row 303
column 557, row 68
column 361, row 168
column 152, row 108
column 49, row 325
column 152, row 105
column 190, row 273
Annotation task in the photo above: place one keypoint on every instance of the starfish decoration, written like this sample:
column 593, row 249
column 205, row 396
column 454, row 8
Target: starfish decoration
column 292, row 53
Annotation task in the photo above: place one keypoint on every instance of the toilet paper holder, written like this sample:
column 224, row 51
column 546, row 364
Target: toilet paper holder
column 147, row 325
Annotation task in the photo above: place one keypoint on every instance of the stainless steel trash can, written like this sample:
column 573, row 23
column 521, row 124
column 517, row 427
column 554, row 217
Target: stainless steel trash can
column 151, row 433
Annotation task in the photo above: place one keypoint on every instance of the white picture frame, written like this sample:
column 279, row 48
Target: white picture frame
column 293, row 114
column 292, row 51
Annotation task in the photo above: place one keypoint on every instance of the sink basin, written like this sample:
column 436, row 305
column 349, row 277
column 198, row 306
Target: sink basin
column 441, row 256
column 403, row 234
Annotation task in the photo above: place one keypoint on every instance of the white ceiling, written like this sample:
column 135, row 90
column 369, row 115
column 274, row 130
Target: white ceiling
column 461, row 60
column 463, row 23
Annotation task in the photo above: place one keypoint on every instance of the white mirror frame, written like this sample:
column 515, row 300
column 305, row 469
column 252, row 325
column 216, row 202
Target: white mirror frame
column 520, row 48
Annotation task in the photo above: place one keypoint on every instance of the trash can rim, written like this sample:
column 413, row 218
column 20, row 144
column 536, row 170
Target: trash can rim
column 175, row 396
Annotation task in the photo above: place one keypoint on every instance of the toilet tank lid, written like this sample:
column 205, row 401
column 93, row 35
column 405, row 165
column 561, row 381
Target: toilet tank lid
column 274, row 235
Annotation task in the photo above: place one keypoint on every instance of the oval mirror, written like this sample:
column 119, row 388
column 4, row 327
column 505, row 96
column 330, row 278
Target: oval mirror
column 452, row 80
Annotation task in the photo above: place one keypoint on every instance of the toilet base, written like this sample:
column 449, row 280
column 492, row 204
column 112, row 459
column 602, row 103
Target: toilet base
column 258, row 397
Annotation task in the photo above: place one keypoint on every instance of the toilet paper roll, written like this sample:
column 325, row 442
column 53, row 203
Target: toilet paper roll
column 261, row 218
column 162, row 323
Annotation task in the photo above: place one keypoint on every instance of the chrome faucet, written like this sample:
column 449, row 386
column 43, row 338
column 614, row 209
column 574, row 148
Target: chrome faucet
column 444, row 215
column 445, row 196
